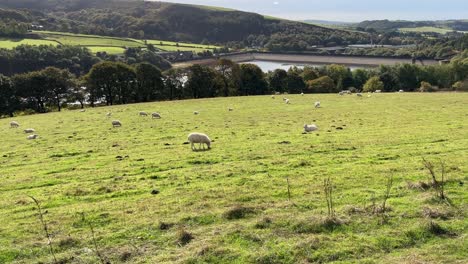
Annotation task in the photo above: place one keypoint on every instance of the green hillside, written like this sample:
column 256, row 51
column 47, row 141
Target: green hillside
column 176, row 22
column 110, row 45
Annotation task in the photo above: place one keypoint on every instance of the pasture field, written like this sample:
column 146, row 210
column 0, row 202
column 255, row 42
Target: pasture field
column 111, row 45
column 150, row 199
column 83, row 40
column 108, row 50
column 427, row 29
column 6, row 43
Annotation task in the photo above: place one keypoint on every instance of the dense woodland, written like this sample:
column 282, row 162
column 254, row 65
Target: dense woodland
column 77, row 60
column 113, row 82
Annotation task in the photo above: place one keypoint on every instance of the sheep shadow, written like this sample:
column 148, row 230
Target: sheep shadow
column 201, row 150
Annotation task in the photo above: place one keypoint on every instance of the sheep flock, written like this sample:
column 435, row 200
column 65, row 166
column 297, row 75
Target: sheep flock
column 193, row 138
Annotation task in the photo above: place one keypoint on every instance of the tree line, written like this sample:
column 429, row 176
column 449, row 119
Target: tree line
column 114, row 82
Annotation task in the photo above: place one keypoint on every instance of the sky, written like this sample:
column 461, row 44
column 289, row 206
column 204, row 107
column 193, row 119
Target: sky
column 347, row 10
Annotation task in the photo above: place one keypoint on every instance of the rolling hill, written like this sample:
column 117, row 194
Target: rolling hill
column 441, row 26
column 176, row 22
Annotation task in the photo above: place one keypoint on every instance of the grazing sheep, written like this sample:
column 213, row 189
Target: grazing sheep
column 287, row 101
column 302, row 94
column 310, row 128
column 141, row 113
column 359, row 95
column 29, row 130
column 156, row 115
column 196, row 113
column 378, row 91
column 14, row 124
column 199, row 138
column 32, row 137
column 317, row 104
column 401, row 91
column 82, row 110
column 342, row 93
column 272, row 97
column 116, row 123
column 109, row 114
column 348, row 92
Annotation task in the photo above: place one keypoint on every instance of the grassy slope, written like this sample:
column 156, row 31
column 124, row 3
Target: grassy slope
column 426, row 29
column 72, row 168
column 6, row 43
column 101, row 43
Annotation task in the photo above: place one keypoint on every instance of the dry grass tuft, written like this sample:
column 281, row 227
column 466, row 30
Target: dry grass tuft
column 436, row 213
column 238, row 212
column 184, row 237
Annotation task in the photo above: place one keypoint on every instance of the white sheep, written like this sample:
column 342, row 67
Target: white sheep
column 30, row 137
column 116, row 123
column 378, row 91
column 273, row 97
column 342, row 93
column 156, row 115
column 302, row 94
column 29, row 130
column 141, row 113
column 196, row 113
column 83, row 110
column 109, row 114
column 287, row 101
column 199, row 138
column 401, row 91
column 310, row 128
column 317, row 104
column 14, row 124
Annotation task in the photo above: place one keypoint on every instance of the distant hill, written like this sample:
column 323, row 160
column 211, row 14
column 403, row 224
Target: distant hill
column 327, row 22
column 177, row 22
column 388, row 25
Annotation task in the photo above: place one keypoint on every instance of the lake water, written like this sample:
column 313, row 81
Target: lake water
column 267, row 66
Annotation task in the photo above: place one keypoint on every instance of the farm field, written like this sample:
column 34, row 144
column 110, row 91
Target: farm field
column 150, row 199
column 11, row 43
column 427, row 29
column 95, row 43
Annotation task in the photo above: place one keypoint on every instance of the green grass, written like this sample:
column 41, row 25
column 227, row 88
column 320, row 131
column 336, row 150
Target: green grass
column 80, row 40
column 12, row 43
column 108, row 50
column 427, row 30
column 81, row 164
column 114, row 45
column 95, row 43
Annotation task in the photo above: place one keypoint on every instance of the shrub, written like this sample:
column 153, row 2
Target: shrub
column 373, row 84
column 323, row 84
column 426, row 87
